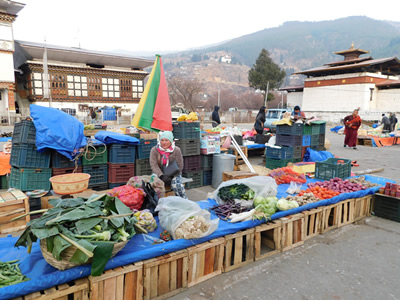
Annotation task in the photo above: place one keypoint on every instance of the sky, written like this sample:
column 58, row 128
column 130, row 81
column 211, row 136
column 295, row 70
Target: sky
column 174, row 25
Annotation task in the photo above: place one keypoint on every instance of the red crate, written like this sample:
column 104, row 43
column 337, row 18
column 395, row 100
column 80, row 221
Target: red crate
column 120, row 172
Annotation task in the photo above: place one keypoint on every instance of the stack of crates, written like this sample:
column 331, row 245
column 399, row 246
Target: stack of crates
column 290, row 139
column 187, row 135
column 206, row 166
column 62, row 165
column 94, row 163
column 121, row 164
column 142, row 164
column 318, row 129
column 30, row 169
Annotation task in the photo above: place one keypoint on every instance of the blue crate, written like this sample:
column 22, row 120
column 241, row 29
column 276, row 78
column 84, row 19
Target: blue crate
column 306, row 140
column 24, row 132
column 121, row 153
column 207, row 177
column 295, row 129
column 285, row 152
column 60, row 161
column 26, row 156
column 98, row 174
column 144, row 148
column 29, row 179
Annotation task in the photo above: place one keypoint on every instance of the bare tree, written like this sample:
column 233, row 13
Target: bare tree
column 185, row 91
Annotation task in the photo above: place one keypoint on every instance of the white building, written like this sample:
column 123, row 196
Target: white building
column 226, row 59
column 334, row 90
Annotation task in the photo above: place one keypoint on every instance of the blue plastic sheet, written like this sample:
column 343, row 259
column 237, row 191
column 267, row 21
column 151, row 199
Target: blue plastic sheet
column 336, row 129
column 108, row 137
column 313, row 155
column 256, row 146
column 57, row 130
column 43, row 276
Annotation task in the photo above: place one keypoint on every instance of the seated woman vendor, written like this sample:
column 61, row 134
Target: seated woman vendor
column 162, row 156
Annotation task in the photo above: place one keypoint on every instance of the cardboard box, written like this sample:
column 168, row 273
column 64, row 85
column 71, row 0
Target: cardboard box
column 210, row 144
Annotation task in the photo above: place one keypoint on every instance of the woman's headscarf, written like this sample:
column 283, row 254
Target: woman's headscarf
column 165, row 153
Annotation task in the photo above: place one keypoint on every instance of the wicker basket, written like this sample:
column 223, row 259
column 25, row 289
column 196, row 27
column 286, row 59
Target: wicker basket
column 66, row 255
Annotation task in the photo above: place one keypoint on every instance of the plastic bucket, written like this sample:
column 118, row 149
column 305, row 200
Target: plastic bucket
column 221, row 163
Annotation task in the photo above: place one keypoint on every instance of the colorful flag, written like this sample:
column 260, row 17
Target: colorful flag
column 154, row 110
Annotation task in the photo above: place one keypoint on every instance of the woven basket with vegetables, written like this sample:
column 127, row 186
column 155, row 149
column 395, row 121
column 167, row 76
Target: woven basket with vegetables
column 79, row 231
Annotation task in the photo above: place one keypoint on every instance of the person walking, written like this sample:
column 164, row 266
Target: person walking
column 215, row 117
column 351, row 124
column 260, row 120
column 393, row 121
column 386, row 124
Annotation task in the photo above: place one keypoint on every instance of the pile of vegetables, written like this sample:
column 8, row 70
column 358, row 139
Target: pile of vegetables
column 224, row 211
column 10, row 273
column 287, row 175
column 319, row 192
column 92, row 225
column 193, row 228
column 236, row 191
column 338, row 185
column 304, row 199
column 265, row 207
column 361, row 180
column 284, row 204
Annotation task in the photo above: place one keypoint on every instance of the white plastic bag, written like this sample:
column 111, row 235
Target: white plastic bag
column 294, row 188
column 264, row 186
column 173, row 211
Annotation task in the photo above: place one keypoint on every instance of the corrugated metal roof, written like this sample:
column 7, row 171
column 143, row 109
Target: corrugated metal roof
column 30, row 50
column 11, row 7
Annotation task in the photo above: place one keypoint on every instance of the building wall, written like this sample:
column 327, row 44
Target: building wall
column 389, row 100
column 6, row 67
column 295, row 98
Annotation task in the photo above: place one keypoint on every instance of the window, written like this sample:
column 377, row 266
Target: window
column 37, row 84
column 126, row 87
column 110, row 87
column 77, row 86
column 94, row 85
column 57, row 84
column 137, row 88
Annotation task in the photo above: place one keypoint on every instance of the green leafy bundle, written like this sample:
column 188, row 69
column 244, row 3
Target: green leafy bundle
column 236, row 191
column 92, row 225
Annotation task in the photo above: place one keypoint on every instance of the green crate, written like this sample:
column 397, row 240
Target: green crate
column 4, row 182
column 29, row 179
column 142, row 167
column 95, row 156
column 330, row 168
column 197, row 179
column 189, row 147
column 206, row 162
column 307, row 130
column 271, row 163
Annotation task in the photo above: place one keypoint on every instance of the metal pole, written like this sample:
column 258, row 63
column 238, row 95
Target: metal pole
column 266, row 95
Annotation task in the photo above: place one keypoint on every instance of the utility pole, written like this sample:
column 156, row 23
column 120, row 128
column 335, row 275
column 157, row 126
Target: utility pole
column 219, row 97
column 266, row 95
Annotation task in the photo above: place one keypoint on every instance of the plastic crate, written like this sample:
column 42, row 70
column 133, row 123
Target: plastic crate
column 318, row 147
column 116, row 184
column 4, row 182
column 297, row 152
column 26, row 156
column 285, row 152
column 272, row 163
column 29, row 179
column 321, row 139
column 303, row 152
column 206, row 162
column 289, row 140
column 24, row 132
column 120, row 172
column 144, row 148
column 307, row 130
column 322, row 128
column 295, row 129
column 306, row 140
column 197, row 179
column 95, row 156
column 63, row 171
column 186, row 130
column 142, row 167
column 315, row 129
column 121, row 154
column 189, row 147
column 314, row 140
column 35, row 204
column 60, row 161
column 387, row 207
column 330, row 168
column 191, row 163
column 98, row 187
column 98, row 174
column 207, row 177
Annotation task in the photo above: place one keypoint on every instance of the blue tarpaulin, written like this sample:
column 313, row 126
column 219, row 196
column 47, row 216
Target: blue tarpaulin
column 108, row 137
column 43, row 276
column 57, row 130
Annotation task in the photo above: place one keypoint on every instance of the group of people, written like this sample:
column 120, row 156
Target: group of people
column 389, row 123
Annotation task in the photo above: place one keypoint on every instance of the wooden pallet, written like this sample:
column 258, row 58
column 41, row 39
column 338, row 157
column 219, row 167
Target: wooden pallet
column 239, row 160
column 345, row 212
column 239, row 249
column 74, row 290
column 312, row 222
column 330, row 217
column 205, row 261
column 124, row 282
column 292, row 231
column 166, row 275
column 13, row 204
column 268, row 239
column 362, row 207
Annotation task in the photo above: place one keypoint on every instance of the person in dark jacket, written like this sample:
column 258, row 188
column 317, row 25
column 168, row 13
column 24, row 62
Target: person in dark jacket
column 215, row 117
column 260, row 120
column 393, row 121
column 386, row 124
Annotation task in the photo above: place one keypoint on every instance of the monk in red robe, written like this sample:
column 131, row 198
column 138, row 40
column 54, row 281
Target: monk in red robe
column 351, row 125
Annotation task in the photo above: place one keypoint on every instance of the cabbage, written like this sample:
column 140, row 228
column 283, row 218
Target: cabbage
column 283, row 204
column 258, row 200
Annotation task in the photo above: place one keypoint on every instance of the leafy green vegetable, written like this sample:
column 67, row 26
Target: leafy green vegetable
column 10, row 273
column 87, row 224
column 102, row 255
column 236, row 191
column 59, row 245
